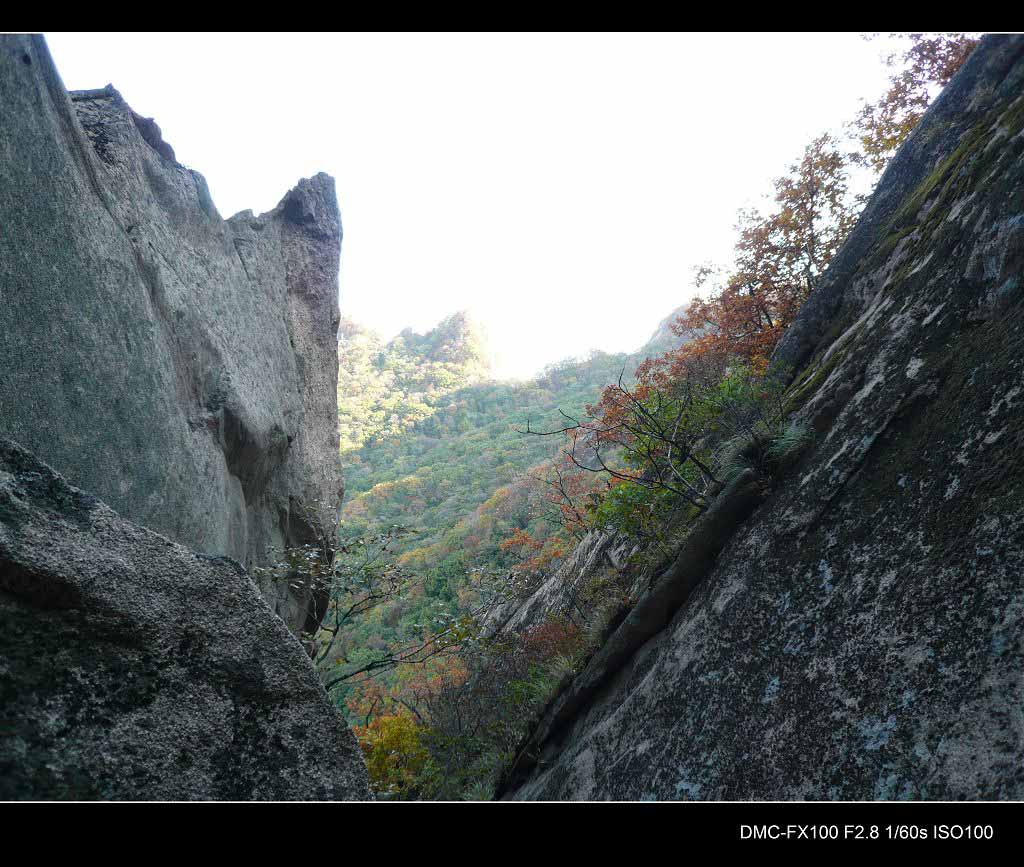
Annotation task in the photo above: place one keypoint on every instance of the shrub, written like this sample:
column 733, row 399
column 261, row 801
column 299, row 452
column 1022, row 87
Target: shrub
column 396, row 758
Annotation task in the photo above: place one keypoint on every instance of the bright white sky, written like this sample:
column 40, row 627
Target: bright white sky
column 559, row 187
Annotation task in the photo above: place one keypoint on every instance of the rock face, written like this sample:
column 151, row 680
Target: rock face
column 181, row 367
column 861, row 634
column 134, row 669
column 598, row 555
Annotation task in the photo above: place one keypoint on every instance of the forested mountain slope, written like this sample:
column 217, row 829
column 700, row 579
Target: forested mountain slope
column 519, row 681
column 433, row 445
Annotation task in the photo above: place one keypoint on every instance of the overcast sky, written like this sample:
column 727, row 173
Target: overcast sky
column 559, row 187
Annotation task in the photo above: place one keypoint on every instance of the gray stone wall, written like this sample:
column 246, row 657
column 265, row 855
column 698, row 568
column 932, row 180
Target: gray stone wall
column 132, row 668
column 181, row 367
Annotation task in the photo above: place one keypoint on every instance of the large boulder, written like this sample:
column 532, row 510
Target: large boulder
column 861, row 634
column 134, row 669
column 180, row 366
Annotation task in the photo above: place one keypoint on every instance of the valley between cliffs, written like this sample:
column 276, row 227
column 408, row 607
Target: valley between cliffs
column 843, row 623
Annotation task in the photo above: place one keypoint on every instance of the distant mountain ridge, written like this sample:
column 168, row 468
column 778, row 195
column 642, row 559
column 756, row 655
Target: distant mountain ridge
column 385, row 387
column 663, row 337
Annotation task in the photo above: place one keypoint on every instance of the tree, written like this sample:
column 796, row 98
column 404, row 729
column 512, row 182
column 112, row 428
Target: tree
column 928, row 63
column 358, row 576
column 567, row 495
column 396, row 758
column 780, row 258
column 444, row 729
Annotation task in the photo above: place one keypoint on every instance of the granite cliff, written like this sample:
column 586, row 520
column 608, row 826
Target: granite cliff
column 132, row 668
column 854, row 629
column 181, row 367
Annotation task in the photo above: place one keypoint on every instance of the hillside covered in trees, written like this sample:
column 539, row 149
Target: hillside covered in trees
column 436, row 460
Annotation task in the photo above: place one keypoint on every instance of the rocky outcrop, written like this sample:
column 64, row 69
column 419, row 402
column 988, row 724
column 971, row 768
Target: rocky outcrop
column 861, row 634
column 599, row 557
column 181, row 367
column 134, row 669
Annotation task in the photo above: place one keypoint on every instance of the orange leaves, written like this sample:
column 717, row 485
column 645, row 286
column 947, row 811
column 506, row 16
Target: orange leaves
column 368, row 698
column 422, row 682
column 779, row 260
column 545, row 551
column 567, row 491
column 521, row 539
column 931, row 60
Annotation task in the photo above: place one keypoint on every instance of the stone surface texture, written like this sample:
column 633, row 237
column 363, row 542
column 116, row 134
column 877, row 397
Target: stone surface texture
column 132, row 668
column 861, row 635
column 181, row 367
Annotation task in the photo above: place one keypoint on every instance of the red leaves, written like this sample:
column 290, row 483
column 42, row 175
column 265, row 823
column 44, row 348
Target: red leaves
column 521, row 539
column 551, row 639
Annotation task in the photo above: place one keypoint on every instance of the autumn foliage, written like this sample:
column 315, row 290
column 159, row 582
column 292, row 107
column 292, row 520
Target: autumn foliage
column 440, row 730
column 779, row 260
column 552, row 639
column 647, row 456
column 395, row 755
column 655, row 441
column 929, row 61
